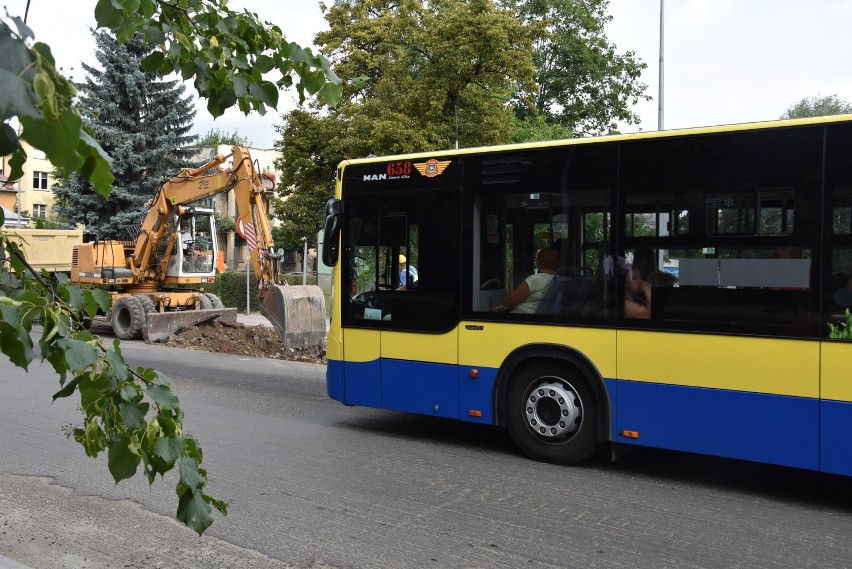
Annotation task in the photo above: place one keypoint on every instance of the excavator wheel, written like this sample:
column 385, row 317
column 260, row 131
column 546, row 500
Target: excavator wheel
column 128, row 318
column 209, row 300
column 297, row 312
column 147, row 304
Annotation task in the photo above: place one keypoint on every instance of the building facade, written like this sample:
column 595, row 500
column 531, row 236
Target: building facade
column 32, row 195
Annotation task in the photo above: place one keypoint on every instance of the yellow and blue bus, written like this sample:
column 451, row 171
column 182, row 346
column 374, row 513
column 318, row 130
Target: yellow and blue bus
column 740, row 238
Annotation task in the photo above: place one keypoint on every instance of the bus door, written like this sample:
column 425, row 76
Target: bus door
column 401, row 313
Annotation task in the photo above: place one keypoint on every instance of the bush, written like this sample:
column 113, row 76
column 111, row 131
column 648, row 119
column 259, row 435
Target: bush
column 231, row 288
column 843, row 330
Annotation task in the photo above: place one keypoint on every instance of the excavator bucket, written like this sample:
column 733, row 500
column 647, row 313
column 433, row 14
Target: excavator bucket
column 161, row 325
column 298, row 314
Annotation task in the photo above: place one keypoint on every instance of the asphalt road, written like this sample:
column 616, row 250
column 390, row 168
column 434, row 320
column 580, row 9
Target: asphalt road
column 314, row 484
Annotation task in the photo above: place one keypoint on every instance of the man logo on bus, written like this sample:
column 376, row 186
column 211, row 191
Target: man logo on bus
column 432, row 168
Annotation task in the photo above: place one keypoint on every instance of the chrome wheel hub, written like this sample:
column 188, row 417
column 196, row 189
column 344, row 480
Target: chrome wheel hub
column 553, row 410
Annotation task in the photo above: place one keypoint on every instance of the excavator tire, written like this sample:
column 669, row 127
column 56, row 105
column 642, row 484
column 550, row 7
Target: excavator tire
column 209, row 300
column 297, row 312
column 128, row 318
column 147, row 303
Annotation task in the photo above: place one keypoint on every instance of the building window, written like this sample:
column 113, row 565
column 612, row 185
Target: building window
column 39, row 180
column 40, row 211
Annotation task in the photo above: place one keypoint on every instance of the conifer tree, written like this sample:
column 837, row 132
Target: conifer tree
column 142, row 122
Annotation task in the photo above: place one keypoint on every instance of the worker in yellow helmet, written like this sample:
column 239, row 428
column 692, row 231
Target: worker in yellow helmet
column 407, row 274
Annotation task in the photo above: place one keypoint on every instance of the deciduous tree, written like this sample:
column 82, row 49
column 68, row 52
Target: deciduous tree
column 437, row 73
column 582, row 82
column 818, row 106
column 215, row 137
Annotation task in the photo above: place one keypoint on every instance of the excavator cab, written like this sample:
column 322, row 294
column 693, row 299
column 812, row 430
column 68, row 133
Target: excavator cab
column 194, row 253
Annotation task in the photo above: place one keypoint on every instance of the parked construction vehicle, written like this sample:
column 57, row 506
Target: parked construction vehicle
column 158, row 274
column 48, row 249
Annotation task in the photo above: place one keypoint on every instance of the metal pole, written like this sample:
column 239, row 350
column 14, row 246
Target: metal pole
column 248, row 285
column 305, row 264
column 660, row 97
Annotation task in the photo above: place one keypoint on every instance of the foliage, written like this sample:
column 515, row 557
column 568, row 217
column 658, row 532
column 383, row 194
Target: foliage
column 582, row 82
column 284, row 238
column 438, row 73
column 224, row 223
column 132, row 415
column 537, row 128
column 215, row 137
column 231, row 288
column 818, row 106
column 228, row 54
column 514, row 71
column 142, row 122
column 842, row 330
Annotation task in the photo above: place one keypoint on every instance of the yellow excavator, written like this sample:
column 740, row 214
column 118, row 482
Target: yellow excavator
column 157, row 276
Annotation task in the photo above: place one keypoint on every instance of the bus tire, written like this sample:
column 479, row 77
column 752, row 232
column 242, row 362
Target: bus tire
column 551, row 413
column 128, row 318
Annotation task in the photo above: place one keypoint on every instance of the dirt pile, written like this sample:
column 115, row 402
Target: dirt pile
column 235, row 338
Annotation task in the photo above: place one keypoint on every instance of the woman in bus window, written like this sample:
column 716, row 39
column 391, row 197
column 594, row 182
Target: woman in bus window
column 526, row 298
column 637, row 295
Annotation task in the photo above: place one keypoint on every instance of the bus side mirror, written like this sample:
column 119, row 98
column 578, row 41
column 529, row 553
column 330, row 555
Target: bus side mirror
column 331, row 232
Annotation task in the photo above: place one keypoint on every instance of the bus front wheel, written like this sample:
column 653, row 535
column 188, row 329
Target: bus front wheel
column 551, row 414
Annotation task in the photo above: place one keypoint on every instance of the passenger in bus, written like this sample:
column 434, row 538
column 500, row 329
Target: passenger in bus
column 528, row 295
column 637, row 295
column 842, row 286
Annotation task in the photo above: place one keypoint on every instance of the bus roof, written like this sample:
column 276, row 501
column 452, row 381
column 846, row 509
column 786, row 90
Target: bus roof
column 609, row 138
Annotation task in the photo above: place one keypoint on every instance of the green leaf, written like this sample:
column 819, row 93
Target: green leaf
column 314, row 81
column 194, row 512
column 122, row 462
column 169, row 449
column 96, row 164
column 133, row 414
column 163, row 396
column 69, row 388
column 15, row 97
column 241, row 87
column 265, row 92
column 56, row 138
column 79, row 355
column 107, row 15
column 264, row 63
column 23, row 30
column 117, row 367
column 330, row 94
column 16, row 163
column 153, row 61
column 220, row 100
column 189, row 475
column 15, row 340
column 92, row 440
column 193, row 449
column 103, row 298
column 129, row 392
column 73, row 296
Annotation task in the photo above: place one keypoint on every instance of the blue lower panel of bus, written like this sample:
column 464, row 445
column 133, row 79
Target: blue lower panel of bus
column 836, row 437
column 440, row 390
column 764, row 428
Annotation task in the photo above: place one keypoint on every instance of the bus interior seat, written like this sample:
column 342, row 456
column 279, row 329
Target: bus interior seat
column 566, row 295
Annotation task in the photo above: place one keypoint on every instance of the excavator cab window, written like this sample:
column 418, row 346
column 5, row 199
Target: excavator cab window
column 194, row 252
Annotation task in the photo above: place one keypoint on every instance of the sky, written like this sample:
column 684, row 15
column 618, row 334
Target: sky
column 725, row 61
